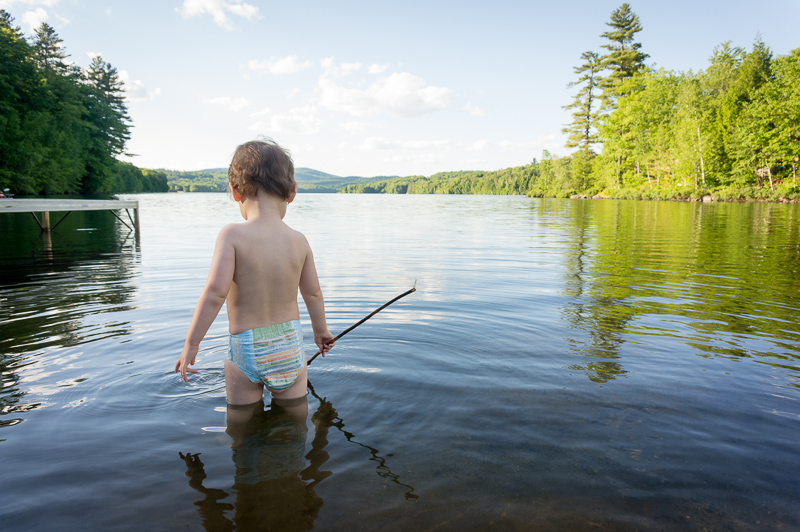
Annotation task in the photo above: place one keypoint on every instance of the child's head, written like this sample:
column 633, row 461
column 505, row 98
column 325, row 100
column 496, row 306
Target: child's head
column 262, row 164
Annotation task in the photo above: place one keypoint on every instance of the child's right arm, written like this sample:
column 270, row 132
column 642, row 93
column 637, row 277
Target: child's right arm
column 312, row 295
column 218, row 284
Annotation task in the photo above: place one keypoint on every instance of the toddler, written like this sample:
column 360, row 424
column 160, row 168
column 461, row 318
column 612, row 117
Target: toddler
column 258, row 267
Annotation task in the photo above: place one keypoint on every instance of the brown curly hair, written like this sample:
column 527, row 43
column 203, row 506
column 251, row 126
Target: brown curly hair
column 262, row 164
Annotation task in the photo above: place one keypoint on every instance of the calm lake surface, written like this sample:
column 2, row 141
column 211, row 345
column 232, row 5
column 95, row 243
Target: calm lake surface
column 564, row 365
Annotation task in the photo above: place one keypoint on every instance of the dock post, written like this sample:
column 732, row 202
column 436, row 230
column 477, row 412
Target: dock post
column 46, row 221
column 136, row 233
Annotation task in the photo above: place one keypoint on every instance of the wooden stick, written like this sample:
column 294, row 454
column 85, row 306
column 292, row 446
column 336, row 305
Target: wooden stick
column 404, row 294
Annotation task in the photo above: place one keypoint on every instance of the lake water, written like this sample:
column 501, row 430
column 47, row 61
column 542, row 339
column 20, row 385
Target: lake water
column 563, row 365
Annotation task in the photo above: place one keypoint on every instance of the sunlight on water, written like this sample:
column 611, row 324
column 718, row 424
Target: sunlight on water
column 564, row 365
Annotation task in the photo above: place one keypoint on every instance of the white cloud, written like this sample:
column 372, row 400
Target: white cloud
column 301, row 120
column 472, row 110
column 338, row 71
column 261, row 112
column 135, row 89
column 376, row 69
column 380, row 143
column 34, row 19
column 480, row 145
column 219, row 10
column 400, row 94
column 286, row 65
column 355, row 127
column 246, row 11
column 92, row 55
column 232, row 104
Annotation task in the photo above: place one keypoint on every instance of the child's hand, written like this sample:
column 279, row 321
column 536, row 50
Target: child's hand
column 325, row 341
column 187, row 359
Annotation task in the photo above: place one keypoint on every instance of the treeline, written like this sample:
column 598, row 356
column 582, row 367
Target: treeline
column 730, row 129
column 519, row 180
column 130, row 178
column 62, row 127
column 216, row 180
column 203, row 181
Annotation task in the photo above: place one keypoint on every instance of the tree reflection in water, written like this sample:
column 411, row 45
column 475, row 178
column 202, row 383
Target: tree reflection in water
column 274, row 483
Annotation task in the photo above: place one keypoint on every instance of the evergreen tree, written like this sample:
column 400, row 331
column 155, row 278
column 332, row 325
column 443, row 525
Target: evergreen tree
column 64, row 128
column 583, row 129
column 624, row 58
column 48, row 50
column 582, row 132
column 107, row 115
column 116, row 122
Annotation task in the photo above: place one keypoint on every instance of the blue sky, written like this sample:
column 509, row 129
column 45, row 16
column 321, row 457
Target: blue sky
column 373, row 88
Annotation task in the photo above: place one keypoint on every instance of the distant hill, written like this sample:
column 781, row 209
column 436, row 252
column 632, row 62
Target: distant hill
column 308, row 180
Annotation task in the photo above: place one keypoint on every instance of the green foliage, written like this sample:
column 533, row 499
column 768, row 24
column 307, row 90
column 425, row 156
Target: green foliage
column 582, row 130
column 517, row 180
column 202, row 181
column 129, row 178
column 734, row 125
column 60, row 128
column 624, row 59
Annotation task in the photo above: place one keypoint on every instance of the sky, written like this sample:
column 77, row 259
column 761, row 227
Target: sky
column 357, row 88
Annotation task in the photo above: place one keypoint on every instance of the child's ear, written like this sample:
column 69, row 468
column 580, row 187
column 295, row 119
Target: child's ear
column 292, row 194
column 237, row 196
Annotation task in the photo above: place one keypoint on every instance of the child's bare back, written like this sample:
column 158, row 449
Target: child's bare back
column 258, row 267
column 269, row 258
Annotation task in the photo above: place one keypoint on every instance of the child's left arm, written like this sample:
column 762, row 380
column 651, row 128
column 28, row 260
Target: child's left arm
column 315, row 304
column 218, row 284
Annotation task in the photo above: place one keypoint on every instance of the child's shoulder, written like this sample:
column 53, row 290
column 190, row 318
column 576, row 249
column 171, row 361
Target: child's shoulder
column 242, row 233
column 233, row 234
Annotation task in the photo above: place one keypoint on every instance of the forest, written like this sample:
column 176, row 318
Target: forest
column 729, row 132
column 62, row 127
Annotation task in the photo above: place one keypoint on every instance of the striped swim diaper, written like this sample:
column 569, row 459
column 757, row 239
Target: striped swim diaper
column 273, row 355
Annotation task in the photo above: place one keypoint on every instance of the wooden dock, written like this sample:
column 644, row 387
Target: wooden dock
column 46, row 206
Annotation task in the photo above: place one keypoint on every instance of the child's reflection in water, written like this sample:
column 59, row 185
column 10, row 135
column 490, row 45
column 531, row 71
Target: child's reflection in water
column 274, row 487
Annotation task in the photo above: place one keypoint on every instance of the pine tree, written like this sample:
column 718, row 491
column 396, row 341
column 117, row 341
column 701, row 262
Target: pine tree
column 111, row 91
column 108, row 117
column 48, row 50
column 583, row 129
column 624, row 58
